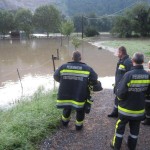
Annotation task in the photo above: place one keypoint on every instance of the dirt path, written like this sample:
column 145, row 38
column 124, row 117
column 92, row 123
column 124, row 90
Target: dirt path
column 98, row 130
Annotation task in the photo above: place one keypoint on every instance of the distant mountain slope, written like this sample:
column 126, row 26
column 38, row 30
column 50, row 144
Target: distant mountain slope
column 31, row 4
column 99, row 7
column 72, row 7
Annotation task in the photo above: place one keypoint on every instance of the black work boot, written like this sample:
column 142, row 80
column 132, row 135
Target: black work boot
column 114, row 113
column 112, row 146
column 78, row 128
column 131, row 143
column 146, row 122
column 65, row 124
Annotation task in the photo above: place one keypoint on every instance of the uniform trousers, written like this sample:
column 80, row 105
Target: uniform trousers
column 80, row 115
column 119, row 132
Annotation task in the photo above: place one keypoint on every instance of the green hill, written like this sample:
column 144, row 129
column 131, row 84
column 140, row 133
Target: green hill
column 72, row 7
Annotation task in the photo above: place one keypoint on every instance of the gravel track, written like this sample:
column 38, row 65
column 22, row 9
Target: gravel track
column 97, row 132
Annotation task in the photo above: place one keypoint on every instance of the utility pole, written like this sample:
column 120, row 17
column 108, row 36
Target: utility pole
column 82, row 27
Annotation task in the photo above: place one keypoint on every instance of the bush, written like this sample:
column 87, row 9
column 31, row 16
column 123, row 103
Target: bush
column 91, row 32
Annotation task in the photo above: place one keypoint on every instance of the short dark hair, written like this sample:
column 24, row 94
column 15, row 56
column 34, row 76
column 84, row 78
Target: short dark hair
column 123, row 50
column 138, row 58
column 76, row 56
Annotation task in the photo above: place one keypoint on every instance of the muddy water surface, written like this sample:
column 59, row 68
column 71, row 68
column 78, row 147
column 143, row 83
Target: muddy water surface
column 33, row 60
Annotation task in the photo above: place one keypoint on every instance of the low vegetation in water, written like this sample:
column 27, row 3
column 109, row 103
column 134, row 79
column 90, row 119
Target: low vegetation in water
column 31, row 120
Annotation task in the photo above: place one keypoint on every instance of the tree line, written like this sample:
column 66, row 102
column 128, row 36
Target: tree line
column 133, row 22
column 45, row 19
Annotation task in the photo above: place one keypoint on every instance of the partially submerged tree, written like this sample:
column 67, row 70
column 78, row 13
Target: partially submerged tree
column 6, row 22
column 67, row 28
column 76, row 42
column 24, row 20
column 47, row 18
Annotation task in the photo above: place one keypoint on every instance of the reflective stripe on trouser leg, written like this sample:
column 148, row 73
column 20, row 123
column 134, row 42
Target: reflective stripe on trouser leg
column 134, row 132
column 65, row 119
column 66, row 115
column 79, row 123
column 80, row 114
column 119, row 132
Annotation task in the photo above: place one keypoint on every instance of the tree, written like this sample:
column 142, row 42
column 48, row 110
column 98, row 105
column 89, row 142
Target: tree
column 77, row 20
column 24, row 20
column 105, row 24
column 67, row 28
column 139, row 16
column 6, row 21
column 135, row 20
column 76, row 42
column 47, row 18
column 122, row 25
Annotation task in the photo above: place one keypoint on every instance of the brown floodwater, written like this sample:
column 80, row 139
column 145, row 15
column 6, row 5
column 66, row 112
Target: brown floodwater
column 33, row 60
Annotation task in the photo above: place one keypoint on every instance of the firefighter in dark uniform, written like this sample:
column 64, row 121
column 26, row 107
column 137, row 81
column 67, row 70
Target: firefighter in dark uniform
column 131, row 92
column 74, row 78
column 124, row 64
column 147, row 105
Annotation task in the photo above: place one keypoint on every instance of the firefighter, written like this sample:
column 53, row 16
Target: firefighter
column 73, row 91
column 147, row 105
column 124, row 64
column 131, row 92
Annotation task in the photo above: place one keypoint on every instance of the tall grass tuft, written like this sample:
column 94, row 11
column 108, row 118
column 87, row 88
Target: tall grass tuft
column 25, row 125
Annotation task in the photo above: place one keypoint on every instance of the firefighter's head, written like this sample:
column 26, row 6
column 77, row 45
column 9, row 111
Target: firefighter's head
column 138, row 58
column 76, row 56
column 121, row 52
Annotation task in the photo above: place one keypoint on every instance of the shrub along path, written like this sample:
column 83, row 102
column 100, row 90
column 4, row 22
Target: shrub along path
column 98, row 130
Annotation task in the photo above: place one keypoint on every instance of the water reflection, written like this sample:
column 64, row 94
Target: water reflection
column 31, row 83
column 33, row 60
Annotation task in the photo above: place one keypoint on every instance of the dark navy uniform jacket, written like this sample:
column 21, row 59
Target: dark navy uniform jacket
column 123, row 66
column 132, row 91
column 74, row 78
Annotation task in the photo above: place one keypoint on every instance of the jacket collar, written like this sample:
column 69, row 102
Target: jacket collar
column 125, row 57
column 76, row 62
column 138, row 67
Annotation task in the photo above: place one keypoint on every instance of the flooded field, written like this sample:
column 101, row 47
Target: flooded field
column 33, row 60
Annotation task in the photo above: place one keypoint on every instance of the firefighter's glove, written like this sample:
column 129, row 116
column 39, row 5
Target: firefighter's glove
column 97, row 87
column 87, row 106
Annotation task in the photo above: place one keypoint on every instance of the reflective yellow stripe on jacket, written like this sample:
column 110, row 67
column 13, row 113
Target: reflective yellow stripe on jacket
column 70, row 103
column 138, row 82
column 132, row 113
column 75, row 71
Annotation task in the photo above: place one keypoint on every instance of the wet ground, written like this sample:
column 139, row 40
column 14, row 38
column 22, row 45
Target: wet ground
column 97, row 132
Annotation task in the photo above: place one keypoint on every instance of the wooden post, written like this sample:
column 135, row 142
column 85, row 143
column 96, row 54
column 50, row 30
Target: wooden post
column 53, row 62
column 58, row 54
column 20, row 80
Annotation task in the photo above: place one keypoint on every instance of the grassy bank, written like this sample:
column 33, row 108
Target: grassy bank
column 132, row 45
column 24, row 126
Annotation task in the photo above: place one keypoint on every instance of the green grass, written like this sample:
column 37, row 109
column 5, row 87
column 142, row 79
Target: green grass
column 132, row 45
column 25, row 125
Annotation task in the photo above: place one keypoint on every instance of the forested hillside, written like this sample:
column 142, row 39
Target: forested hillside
column 72, row 7
column 99, row 7
column 31, row 4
